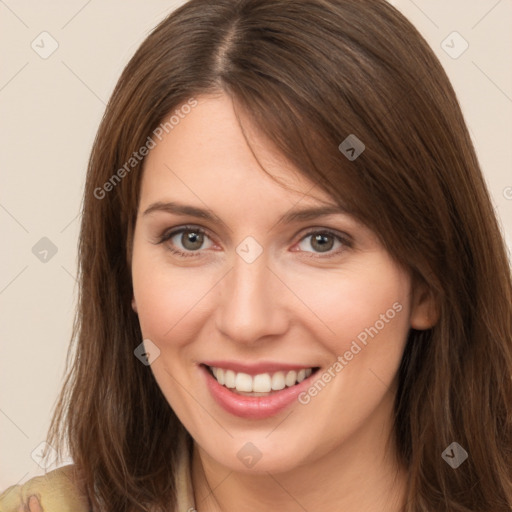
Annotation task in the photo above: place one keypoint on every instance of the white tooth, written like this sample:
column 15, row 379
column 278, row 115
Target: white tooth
column 309, row 371
column 243, row 382
column 291, row 378
column 261, row 383
column 278, row 381
column 301, row 375
column 220, row 376
column 229, row 378
column 214, row 371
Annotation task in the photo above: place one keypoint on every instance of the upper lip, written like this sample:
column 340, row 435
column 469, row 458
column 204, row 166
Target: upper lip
column 256, row 368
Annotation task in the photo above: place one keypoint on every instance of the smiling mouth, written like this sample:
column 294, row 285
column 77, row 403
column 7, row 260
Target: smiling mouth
column 262, row 384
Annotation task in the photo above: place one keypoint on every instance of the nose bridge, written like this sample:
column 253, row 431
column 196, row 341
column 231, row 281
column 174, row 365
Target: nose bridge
column 248, row 308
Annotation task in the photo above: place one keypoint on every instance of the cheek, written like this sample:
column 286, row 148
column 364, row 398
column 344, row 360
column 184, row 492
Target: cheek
column 167, row 298
column 366, row 304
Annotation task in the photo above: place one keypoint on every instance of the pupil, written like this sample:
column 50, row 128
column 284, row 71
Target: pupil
column 192, row 240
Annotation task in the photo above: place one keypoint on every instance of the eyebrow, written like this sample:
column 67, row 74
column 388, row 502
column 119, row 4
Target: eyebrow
column 297, row 215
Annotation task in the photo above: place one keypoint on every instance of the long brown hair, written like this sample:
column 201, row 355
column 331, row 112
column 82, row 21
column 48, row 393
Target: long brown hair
column 309, row 73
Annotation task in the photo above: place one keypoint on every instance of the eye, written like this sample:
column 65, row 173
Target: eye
column 323, row 242
column 186, row 241
column 190, row 241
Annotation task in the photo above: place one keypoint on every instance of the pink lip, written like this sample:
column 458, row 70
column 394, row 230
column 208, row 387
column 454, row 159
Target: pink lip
column 255, row 368
column 258, row 407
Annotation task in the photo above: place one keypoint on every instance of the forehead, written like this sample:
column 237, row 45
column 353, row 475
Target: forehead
column 206, row 157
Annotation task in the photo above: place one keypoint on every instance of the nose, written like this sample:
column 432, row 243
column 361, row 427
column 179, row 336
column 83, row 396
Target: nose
column 251, row 302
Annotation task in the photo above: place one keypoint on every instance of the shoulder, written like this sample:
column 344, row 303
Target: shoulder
column 57, row 491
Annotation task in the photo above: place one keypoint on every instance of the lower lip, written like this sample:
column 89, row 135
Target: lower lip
column 257, row 407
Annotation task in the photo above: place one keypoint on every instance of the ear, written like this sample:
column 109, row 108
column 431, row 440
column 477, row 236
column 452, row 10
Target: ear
column 134, row 305
column 424, row 310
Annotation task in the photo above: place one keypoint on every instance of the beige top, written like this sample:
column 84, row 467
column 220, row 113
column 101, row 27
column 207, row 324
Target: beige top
column 57, row 492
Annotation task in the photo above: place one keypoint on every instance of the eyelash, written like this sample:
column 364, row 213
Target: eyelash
column 345, row 241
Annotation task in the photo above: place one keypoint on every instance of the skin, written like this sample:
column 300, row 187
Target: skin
column 32, row 505
column 292, row 304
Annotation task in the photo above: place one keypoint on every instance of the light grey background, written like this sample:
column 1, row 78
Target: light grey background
column 50, row 109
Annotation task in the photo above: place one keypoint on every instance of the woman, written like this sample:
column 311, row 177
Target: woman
column 294, row 293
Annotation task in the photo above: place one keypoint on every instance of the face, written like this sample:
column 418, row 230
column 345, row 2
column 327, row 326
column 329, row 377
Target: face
column 280, row 319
